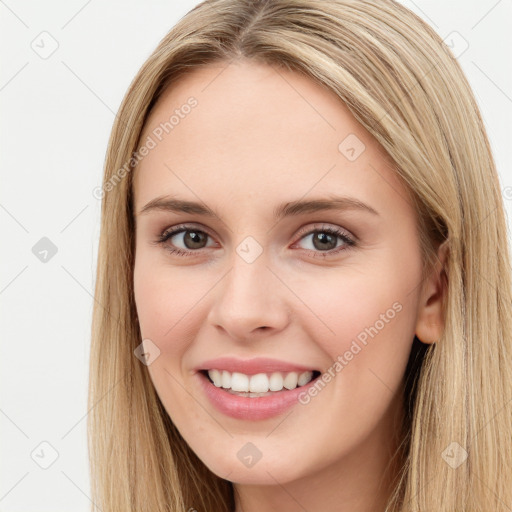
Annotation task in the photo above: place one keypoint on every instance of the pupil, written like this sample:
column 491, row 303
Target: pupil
column 324, row 238
column 193, row 237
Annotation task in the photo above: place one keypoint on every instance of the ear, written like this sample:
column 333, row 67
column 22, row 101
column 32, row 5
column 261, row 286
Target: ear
column 430, row 319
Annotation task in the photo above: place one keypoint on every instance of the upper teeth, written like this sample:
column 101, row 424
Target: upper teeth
column 259, row 383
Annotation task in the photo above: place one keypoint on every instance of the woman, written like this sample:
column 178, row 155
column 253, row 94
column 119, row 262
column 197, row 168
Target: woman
column 303, row 290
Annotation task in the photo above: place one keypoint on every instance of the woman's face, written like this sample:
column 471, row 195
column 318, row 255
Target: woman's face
column 265, row 274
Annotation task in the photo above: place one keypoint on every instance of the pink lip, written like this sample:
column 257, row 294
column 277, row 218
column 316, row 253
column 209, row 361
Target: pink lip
column 252, row 366
column 247, row 408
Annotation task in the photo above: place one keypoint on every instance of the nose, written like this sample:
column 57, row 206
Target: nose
column 249, row 301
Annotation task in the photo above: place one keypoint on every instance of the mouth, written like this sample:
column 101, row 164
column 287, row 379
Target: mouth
column 259, row 384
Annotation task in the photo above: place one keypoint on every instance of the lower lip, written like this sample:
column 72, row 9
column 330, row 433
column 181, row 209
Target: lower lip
column 247, row 408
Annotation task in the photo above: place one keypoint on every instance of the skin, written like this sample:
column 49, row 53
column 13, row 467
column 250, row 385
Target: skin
column 259, row 137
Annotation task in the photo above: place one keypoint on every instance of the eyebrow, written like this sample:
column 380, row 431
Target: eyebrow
column 292, row 208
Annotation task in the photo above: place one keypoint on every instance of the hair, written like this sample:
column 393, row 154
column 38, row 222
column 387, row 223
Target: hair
column 402, row 84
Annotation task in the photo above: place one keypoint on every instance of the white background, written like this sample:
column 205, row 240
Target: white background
column 57, row 114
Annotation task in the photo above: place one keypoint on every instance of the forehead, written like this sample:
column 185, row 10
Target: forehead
column 246, row 131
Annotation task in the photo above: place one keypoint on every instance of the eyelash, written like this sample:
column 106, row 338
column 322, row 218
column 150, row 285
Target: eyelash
column 348, row 241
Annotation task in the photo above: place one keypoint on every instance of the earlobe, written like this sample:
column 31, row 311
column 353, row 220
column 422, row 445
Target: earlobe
column 430, row 320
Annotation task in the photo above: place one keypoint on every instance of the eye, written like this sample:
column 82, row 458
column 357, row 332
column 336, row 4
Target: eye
column 323, row 241
column 190, row 237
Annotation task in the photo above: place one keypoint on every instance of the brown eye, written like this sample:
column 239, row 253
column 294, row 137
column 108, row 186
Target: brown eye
column 194, row 239
column 183, row 240
column 325, row 240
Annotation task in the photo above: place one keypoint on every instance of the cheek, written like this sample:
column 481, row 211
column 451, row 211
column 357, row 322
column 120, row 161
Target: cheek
column 367, row 318
column 164, row 300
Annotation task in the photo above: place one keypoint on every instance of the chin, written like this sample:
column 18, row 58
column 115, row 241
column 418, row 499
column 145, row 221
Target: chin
column 236, row 466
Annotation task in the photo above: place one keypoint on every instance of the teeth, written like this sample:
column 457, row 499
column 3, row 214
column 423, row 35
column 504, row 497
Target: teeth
column 290, row 381
column 239, row 382
column 226, row 379
column 304, row 378
column 276, row 382
column 259, row 383
column 216, row 376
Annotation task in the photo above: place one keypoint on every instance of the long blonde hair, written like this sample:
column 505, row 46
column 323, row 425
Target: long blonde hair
column 404, row 86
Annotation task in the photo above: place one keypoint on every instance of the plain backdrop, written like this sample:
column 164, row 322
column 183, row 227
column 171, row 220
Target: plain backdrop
column 66, row 67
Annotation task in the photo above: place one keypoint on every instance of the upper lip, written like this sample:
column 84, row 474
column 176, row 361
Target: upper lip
column 252, row 366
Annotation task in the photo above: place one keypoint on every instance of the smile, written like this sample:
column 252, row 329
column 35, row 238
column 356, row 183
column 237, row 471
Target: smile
column 260, row 384
column 254, row 405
